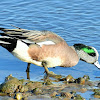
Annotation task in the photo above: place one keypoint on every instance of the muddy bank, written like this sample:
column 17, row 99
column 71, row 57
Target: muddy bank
column 61, row 88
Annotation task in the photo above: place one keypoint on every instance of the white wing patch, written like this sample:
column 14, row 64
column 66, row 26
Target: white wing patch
column 28, row 41
column 45, row 43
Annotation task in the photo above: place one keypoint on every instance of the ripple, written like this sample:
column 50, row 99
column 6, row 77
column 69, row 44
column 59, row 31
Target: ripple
column 75, row 21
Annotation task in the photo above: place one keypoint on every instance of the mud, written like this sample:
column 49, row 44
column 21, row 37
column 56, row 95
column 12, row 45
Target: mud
column 61, row 88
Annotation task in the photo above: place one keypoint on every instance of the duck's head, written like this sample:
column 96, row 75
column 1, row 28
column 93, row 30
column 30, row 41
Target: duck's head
column 87, row 53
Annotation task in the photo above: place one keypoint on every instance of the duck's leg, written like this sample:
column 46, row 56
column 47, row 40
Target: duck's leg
column 50, row 73
column 45, row 67
column 28, row 67
column 28, row 75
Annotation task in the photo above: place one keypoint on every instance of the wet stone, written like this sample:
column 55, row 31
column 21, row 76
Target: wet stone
column 48, row 82
column 86, row 77
column 80, row 81
column 78, row 97
column 18, row 96
column 99, row 85
column 32, row 85
column 10, row 85
column 67, row 95
column 67, row 79
column 96, row 91
column 37, row 91
column 70, row 79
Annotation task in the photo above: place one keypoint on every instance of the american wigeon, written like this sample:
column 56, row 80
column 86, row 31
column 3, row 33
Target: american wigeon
column 46, row 49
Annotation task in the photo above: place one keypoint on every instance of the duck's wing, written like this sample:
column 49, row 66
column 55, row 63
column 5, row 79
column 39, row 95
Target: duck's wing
column 31, row 35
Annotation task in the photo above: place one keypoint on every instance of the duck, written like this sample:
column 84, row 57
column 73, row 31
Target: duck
column 45, row 49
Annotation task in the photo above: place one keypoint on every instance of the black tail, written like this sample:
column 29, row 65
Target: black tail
column 8, row 43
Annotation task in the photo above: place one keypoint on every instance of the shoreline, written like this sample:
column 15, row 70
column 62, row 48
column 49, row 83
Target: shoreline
column 63, row 88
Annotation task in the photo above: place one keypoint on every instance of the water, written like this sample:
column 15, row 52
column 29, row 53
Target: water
column 76, row 21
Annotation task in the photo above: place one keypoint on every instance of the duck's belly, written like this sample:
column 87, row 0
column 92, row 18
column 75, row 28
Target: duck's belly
column 53, row 61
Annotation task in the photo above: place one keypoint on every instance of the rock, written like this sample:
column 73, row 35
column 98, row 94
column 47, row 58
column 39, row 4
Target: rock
column 96, row 92
column 18, row 96
column 78, row 97
column 70, row 79
column 67, row 95
column 25, row 95
column 3, row 94
column 32, row 85
column 8, row 77
column 48, row 82
column 86, row 77
column 23, row 89
column 97, row 96
column 80, row 81
column 99, row 85
column 10, row 84
column 37, row 91
column 53, row 94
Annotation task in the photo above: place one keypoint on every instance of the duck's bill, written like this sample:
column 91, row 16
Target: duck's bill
column 97, row 64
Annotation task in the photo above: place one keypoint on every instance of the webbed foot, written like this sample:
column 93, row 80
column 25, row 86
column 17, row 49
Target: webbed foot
column 53, row 75
column 50, row 73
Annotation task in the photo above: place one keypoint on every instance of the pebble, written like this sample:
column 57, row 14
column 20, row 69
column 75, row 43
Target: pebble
column 80, row 81
column 67, row 95
column 78, row 97
column 37, row 91
column 18, row 96
column 99, row 85
column 86, row 77
column 69, row 78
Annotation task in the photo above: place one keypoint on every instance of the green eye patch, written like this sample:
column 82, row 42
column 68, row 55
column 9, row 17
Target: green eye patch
column 87, row 50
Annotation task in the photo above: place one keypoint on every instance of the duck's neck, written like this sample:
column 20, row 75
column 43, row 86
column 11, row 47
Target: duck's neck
column 75, row 50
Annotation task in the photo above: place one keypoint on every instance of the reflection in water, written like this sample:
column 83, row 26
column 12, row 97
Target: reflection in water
column 28, row 67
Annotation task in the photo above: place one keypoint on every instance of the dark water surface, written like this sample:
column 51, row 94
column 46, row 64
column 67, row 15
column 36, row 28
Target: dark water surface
column 77, row 21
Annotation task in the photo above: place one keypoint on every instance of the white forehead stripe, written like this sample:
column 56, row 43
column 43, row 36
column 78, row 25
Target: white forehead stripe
column 45, row 43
